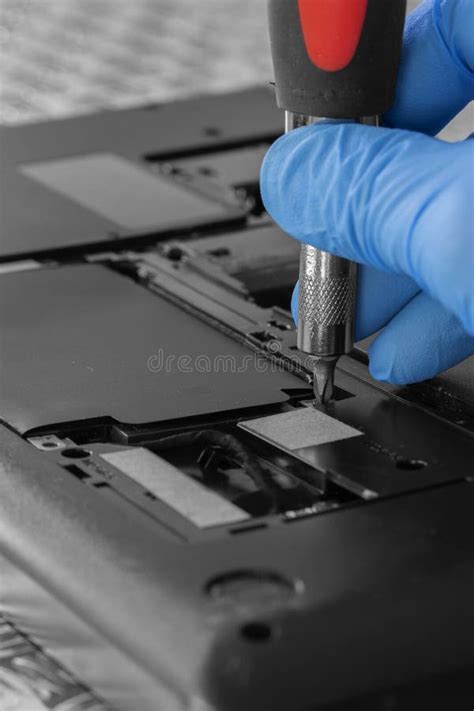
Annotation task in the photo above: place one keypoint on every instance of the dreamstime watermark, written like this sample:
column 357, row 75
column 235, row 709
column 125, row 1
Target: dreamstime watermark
column 162, row 362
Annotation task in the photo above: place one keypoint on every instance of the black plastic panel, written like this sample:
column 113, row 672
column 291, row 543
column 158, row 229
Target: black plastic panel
column 84, row 342
column 384, row 600
column 364, row 602
column 34, row 219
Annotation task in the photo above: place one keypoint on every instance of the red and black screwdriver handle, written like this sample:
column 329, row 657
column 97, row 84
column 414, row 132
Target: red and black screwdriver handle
column 336, row 58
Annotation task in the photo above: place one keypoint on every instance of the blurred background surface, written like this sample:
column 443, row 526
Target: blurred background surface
column 63, row 57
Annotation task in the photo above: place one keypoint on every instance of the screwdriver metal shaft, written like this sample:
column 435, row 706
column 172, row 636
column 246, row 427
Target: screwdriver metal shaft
column 327, row 299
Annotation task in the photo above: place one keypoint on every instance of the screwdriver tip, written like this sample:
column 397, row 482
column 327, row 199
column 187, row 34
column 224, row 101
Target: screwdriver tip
column 323, row 383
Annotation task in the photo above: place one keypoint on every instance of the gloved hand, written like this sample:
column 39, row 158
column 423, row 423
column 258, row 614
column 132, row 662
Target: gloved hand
column 397, row 201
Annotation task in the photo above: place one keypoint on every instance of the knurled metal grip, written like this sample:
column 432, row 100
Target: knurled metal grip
column 326, row 306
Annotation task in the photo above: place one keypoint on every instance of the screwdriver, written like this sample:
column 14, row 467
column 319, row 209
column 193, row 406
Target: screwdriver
column 333, row 59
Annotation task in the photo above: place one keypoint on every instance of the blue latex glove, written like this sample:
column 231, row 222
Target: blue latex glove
column 397, row 201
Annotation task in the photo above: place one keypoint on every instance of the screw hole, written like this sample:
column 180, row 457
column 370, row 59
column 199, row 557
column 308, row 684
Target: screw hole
column 175, row 254
column 207, row 171
column 50, row 445
column 76, row 453
column 219, row 252
column 212, row 131
column 256, row 631
column 410, row 464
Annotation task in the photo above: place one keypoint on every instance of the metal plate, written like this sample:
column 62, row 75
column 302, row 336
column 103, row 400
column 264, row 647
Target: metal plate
column 201, row 506
column 305, row 427
column 120, row 191
column 82, row 341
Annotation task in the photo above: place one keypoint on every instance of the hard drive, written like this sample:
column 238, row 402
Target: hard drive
column 181, row 528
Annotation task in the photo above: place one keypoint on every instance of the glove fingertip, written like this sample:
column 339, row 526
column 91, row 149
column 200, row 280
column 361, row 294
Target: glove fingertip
column 268, row 171
column 390, row 364
column 294, row 303
column 380, row 364
column 288, row 184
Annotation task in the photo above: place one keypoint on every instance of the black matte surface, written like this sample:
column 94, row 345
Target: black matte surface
column 263, row 258
column 387, row 599
column 238, row 166
column 76, row 343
